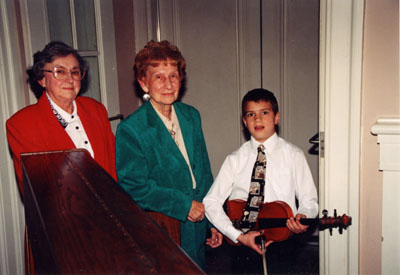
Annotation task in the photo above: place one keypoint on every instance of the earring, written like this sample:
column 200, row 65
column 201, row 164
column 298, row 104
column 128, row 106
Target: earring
column 146, row 97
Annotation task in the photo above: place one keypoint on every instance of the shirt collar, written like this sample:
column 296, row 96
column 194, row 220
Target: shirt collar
column 66, row 116
column 269, row 144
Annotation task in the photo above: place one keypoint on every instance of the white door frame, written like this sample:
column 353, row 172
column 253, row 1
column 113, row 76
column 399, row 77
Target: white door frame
column 340, row 104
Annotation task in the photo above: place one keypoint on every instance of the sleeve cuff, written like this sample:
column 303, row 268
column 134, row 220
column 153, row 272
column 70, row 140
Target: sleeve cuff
column 310, row 214
column 232, row 233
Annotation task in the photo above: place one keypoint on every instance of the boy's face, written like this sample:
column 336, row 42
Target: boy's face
column 260, row 120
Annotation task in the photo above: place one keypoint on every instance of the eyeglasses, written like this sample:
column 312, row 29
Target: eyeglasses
column 62, row 73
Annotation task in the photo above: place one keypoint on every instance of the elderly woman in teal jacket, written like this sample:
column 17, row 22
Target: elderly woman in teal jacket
column 161, row 156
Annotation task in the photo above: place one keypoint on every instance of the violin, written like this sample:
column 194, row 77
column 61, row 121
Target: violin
column 272, row 219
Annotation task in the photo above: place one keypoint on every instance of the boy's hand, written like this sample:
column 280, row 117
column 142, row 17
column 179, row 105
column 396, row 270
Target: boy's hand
column 196, row 212
column 216, row 238
column 295, row 226
column 248, row 239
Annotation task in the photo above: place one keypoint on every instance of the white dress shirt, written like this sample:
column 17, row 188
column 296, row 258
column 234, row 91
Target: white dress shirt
column 74, row 126
column 287, row 177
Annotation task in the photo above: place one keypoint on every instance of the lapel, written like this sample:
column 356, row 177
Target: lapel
column 52, row 131
column 186, row 125
column 90, row 124
column 157, row 132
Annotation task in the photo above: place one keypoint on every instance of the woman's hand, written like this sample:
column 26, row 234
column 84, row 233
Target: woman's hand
column 295, row 226
column 215, row 240
column 196, row 212
column 248, row 239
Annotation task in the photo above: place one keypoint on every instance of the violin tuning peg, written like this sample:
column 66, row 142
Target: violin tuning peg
column 325, row 212
column 330, row 231
column 334, row 213
column 340, row 230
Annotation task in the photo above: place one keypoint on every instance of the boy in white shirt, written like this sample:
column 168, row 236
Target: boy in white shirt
column 287, row 175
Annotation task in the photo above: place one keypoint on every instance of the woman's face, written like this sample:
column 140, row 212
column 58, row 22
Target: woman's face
column 162, row 83
column 61, row 91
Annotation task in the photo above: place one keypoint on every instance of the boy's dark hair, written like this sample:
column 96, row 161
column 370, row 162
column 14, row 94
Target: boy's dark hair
column 50, row 52
column 260, row 94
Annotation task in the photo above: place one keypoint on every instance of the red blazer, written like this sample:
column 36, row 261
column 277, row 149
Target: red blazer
column 35, row 129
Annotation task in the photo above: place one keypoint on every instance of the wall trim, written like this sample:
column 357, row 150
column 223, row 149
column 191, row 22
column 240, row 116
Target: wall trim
column 386, row 126
column 388, row 131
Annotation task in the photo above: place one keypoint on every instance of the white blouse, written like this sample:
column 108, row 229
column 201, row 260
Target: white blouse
column 72, row 125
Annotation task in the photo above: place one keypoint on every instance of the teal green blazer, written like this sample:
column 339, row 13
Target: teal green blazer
column 152, row 170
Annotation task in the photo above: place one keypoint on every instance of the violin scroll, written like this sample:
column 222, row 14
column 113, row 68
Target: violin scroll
column 340, row 222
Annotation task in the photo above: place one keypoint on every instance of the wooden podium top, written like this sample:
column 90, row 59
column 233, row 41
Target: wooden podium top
column 80, row 221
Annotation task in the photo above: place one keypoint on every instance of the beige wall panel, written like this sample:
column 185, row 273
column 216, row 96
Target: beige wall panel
column 300, row 74
column 125, row 54
column 221, row 42
column 207, row 38
column 249, row 46
column 290, row 67
column 272, row 51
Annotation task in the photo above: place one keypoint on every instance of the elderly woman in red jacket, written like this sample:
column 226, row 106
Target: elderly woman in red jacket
column 60, row 119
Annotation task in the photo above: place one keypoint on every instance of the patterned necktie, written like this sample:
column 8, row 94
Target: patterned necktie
column 256, row 192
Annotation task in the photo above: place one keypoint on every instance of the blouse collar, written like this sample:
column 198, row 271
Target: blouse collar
column 63, row 117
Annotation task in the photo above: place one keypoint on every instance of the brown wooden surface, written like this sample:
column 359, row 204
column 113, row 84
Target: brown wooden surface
column 80, row 221
column 170, row 225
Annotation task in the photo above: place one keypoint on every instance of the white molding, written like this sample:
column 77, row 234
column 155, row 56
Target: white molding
column 388, row 131
column 357, row 31
column 386, row 126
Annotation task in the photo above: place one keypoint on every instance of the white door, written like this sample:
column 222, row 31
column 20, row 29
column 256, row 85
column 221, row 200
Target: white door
column 85, row 25
column 340, row 105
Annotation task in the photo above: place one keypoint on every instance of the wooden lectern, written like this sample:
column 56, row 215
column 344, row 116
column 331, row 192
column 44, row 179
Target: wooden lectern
column 81, row 222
